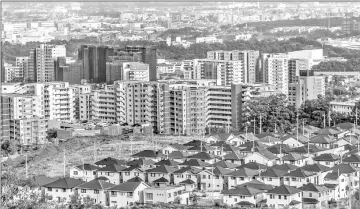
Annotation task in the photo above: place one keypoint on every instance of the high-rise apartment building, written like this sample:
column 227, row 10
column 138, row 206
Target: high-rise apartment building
column 12, row 73
column 148, row 56
column 249, row 59
column 295, row 66
column 308, row 87
column 82, row 94
column 23, row 63
column 275, row 68
column 41, row 67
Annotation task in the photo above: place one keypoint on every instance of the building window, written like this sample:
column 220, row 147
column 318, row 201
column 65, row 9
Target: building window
column 96, row 191
column 310, row 194
column 83, row 191
column 49, row 189
column 279, row 197
column 149, row 196
column 113, row 193
column 76, row 173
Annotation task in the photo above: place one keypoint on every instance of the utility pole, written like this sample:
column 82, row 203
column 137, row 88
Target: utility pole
column 260, row 124
column 297, row 126
column 324, row 120
column 254, row 125
column 329, row 118
column 26, row 166
column 64, row 164
column 94, row 151
column 303, row 131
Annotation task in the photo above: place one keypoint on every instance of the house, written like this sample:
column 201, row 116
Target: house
column 167, row 162
column 294, row 159
column 326, row 141
column 96, row 190
column 233, row 197
column 194, row 163
column 327, row 159
column 341, row 181
column 292, row 141
column 285, row 167
column 225, row 164
column 330, row 131
column 177, row 156
column 160, row 171
column 314, row 195
column 109, row 161
column 126, row 194
column 346, row 176
column 272, row 176
column 353, row 160
column 148, row 155
column 254, row 166
column 270, row 140
column 246, row 137
column 299, row 177
column 219, row 137
column 143, row 163
column 234, row 157
column 200, row 148
column 240, row 176
column 237, row 140
column 222, row 148
column 132, row 172
column 173, row 147
column 111, row 172
column 203, row 156
column 256, row 184
column 262, row 156
column 39, row 182
column 189, row 185
column 283, row 196
column 319, row 169
column 212, row 179
column 61, row 189
column 279, row 149
column 166, row 194
column 85, row 172
column 186, row 173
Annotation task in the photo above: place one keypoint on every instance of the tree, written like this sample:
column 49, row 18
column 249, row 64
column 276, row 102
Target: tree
column 194, row 198
column 51, row 134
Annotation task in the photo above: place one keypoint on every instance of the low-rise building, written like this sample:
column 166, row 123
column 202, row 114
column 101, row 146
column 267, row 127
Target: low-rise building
column 62, row 189
column 166, row 194
column 126, row 194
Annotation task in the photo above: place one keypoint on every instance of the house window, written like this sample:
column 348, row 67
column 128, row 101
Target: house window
column 83, row 191
column 293, row 179
column 279, row 197
column 169, row 194
column 49, row 189
column 204, row 176
column 235, row 199
column 76, row 173
column 242, row 178
column 149, row 196
column 285, row 197
column 271, row 196
column 310, row 194
column 127, row 173
column 113, row 193
column 270, row 179
column 64, row 190
column 96, row 191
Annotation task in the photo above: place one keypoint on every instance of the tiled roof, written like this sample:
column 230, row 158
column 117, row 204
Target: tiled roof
column 178, row 146
column 187, row 181
column 254, row 166
column 195, row 162
column 284, row 190
column 313, row 188
column 327, row 157
column 96, row 184
column 285, row 167
column 327, row 131
column 315, row 168
column 126, row 187
column 243, row 172
column 140, row 162
column 299, row 173
column 161, row 169
column 219, row 171
column 233, row 156
column 354, row 158
column 257, row 185
column 176, row 155
column 87, row 167
column 189, row 169
column 43, row 180
column 168, row 162
column 322, row 139
column 161, row 180
column 225, row 164
column 147, row 154
column 293, row 157
column 64, row 183
column 275, row 149
column 135, row 179
column 109, row 161
column 201, row 156
column 242, row 191
column 112, row 168
column 272, row 172
column 344, row 168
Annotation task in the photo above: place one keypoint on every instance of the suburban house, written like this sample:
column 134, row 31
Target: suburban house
column 166, row 194
column 262, row 156
column 234, row 157
column 194, row 163
column 111, row 172
column 299, row 177
column 96, row 190
column 177, row 156
column 314, row 195
column 320, row 170
column 327, row 159
column 126, row 194
column 61, row 189
column 353, row 160
column 203, row 156
column 240, row 176
column 148, row 155
column 109, row 161
column 294, row 159
column 159, row 172
column 245, row 196
column 283, row 196
column 85, row 172
column 132, row 172
column 172, row 148
column 326, row 141
column 272, row 176
column 285, row 167
column 291, row 141
column 219, row 137
column 186, row 173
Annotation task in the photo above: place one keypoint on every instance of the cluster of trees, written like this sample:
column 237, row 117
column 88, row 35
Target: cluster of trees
column 351, row 65
column 278, row 117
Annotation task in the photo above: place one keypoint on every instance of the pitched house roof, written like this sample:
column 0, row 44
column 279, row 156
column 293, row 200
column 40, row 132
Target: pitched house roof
column 147, row 154
column 315, row 168
column 242, row 191
column 220, row 171
column 161, row 169
column 257, row 185
column 267, row 154
column 284, row 190
column 135, row 179
column 285, row 167
column 222, row 136
column 311, row 148
column 167, row 162
column 96, row 184
column 176, row 155
column 193, row 170
column 313, row 188
column 322, row 139
column 354, row 158
column 248, row 136
column 275, row 149
column 299, row 173
column 243, row 172
column 301, row 138
column 112, row 168
column 161, row 180
column 327, row 131
column 64, row 183
column 193, row 143
column 109, row 161
column 254, row 166
column 293, row 157
column 328, row 157
column 195, row 162
column 178, row 146
column 126, row 187
column 201, row 156
column 140, row 162
column 131, row 168
column 272, row 172
column 87, row 167
column 203, row 148
column 344, row 168
column 225, row 164
column 264, row 134
column 187, row 181
column 269, row 139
